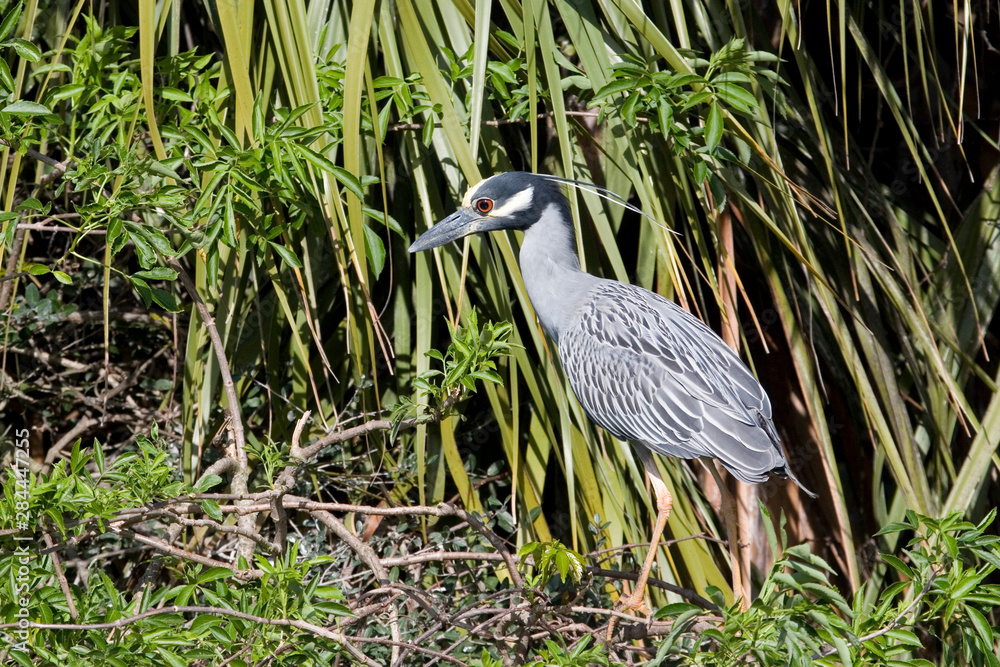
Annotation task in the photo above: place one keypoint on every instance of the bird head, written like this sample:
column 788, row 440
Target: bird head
column 512, row 200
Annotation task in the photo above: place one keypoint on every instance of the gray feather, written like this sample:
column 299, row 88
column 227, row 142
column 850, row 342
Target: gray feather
column 648, row 371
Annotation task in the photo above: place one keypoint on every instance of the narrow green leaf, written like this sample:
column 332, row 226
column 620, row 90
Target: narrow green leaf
column 174, row 94
column 157, row 273
column 713, row 127
column 6, row 81
column 160, row 169
column 10, row 20
column 214, row 574
column 375, row 250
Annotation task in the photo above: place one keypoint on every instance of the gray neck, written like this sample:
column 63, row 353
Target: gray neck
column 556, row 285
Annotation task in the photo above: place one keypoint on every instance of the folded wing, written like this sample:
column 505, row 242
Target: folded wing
column 648, row 371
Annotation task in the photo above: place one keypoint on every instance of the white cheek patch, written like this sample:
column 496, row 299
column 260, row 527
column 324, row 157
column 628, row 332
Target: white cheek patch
column 515, row 204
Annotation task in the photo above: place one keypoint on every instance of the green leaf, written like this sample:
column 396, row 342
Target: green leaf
column 207, row 482
column 10, row 20
column 30, row 204
column 286, row 254
column 213, row 574
column 349, row 181
column 387, row 82
column 628, row 110
column 204, row 622
column 165, row 300
column 212, row 509
column 676, row 609
column 157, row 273
column 171, row 658
column 24, row 108
column 389, row 222
column 35, row 269
column 375, row 251
column 732, row 77
column 613, row 88
column 161, row 169
column 145, row 252
column 736, row 96
column 26, row 50
column 6, row 80
column 713, row 127
column 904, row 638
column 893, row 527
column 981, row 625
column 487, row 376
column 174, row 95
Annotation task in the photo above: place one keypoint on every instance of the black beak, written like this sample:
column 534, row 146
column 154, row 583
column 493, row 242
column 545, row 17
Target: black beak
column 459, row 224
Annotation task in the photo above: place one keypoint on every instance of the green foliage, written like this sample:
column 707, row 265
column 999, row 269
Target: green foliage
column 472, row 355
column 23, row 49
column 69, row 496
column 549, row 558
column 800, row 618
column 506, row 80
column 687, row 108
column 582, row 655
column 943, row 590
column 84, row 493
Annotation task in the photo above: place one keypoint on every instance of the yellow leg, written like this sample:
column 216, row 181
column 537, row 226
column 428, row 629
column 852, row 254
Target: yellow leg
column 664, row 503
column 741, row 589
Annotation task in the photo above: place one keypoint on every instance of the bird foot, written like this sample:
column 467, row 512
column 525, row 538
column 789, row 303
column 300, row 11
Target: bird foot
column 633, row 603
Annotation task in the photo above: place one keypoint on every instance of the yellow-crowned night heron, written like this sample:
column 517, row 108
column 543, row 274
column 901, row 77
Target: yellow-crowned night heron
column 643, row 368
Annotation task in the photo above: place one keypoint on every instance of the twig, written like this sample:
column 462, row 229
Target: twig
column 222, row 528
column 35, row 155
column 14, row 276
column 284, row 483
column 371, row 426
column 237, row 451
column 440, row 510
column 475, row 630
column 61, row 576
column 369, row 609
column 663, row 543
column 159, row 545
column 370, row 558
column 437, row 556
column 830, row 650
column 413, row 647
column 78, row 429
column 686, row 593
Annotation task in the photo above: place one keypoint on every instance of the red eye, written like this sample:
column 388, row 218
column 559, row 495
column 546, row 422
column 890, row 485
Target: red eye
column 484, row 205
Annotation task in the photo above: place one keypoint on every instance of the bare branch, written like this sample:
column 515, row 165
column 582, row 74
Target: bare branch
column 237, row 449
column 370, row 558
column 61, row 576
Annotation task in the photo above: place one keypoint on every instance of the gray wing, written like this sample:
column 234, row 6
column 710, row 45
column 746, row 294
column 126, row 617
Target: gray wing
column 647, row 370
